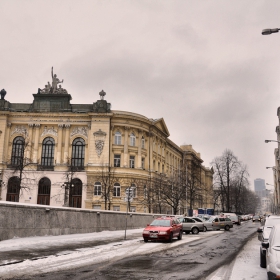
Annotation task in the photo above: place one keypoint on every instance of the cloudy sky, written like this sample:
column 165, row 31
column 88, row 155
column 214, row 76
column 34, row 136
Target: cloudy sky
column 203, row 66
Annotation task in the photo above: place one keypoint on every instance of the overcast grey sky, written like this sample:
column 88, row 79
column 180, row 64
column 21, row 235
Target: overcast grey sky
column 203, row 66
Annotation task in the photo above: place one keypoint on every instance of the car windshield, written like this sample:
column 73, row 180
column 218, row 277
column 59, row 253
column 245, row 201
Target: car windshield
column 161, row 223
column 211, row 219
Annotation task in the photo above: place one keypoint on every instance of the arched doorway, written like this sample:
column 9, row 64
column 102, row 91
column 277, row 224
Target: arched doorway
column 75, row 193
column 44, row 191
column 13, row 189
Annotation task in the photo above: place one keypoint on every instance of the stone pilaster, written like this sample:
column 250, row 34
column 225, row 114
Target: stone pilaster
column 36, row 142
column 67, row 142
column 59, row 144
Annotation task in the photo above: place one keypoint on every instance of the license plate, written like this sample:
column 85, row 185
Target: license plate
column 153, row 235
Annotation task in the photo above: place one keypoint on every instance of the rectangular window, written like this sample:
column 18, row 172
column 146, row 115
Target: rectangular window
column 117, row 160
column 143, row 143
column 132, row 208
column 116, row 208
column 117, row 191
column 131, row 161
column 96, row 207
column 97, row 190
column 118, row 138
column 143, row 163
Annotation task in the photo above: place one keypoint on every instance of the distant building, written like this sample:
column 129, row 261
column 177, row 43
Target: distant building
column 259, row 187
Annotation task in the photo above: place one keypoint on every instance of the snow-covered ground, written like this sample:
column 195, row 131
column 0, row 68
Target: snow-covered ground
column 75, row 258
column 246, row 266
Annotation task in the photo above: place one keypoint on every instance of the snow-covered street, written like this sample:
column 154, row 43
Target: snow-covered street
column 246, row 265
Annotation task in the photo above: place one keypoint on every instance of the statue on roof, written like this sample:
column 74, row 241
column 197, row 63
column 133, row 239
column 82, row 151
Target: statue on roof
column 52, row 88
column 55, row 81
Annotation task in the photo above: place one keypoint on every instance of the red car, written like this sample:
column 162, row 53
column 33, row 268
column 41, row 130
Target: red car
column 164, row 228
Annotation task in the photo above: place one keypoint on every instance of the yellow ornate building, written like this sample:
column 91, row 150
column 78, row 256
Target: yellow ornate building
column 57, row 153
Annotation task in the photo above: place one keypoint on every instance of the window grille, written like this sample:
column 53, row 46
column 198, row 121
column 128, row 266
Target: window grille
column 47, row 152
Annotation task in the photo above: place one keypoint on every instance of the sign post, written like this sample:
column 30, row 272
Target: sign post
column 128, row 198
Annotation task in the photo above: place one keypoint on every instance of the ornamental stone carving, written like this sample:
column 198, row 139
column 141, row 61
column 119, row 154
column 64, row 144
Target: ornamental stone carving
column 79, row 130
column 49, row 131
column 20, row 130
column 99, row 139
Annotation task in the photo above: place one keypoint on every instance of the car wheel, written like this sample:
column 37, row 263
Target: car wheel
column 195, row 230
column 227, row 227
column 170, row 237
column 145, row 240
column 204, row 228
column 180, row 235
column 262, row 260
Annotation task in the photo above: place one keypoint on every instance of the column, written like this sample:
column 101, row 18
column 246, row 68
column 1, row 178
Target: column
column 59, row 144
column 140, row 134
column 151, row 151
column 125, row 160
column 36, row 142
column 7, row 137
column 29, row 139
column 66, row 146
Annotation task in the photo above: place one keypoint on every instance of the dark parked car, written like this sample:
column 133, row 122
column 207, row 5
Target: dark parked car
column 263, row 236
column 164, row 228
column 273, row 253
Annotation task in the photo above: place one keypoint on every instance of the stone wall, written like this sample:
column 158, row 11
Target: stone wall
column 26, row 220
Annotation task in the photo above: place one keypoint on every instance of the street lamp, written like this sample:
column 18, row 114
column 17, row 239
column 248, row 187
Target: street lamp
column 267, row 141
column 270, row 31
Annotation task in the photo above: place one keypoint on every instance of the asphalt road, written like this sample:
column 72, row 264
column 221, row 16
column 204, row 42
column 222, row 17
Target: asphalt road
column 192, row 260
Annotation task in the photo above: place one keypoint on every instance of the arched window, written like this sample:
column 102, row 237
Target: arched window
column 13, row 189
column 75, row 193
column 44, row 191
column 117, row 189
column 118, row 138
column 132, row 139
column 17, row 151
column 97, row 188
column 47, row 152
column 78, row 152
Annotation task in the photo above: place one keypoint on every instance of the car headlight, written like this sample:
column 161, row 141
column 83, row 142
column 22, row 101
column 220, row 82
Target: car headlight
column 162, row 233
column 146, row 232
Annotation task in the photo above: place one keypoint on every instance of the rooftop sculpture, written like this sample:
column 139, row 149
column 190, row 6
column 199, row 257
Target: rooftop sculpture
column 52, row 88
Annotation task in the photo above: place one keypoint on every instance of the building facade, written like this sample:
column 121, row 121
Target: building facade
column 53, row 152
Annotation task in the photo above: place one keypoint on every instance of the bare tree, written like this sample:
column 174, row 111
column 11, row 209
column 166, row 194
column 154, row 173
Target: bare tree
column 21, row 165
column 106, row 176
column 194, row 183
column 230, row 175
column 173, row 191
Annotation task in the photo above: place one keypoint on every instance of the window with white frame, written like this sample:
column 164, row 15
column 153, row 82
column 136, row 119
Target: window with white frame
column 117, row 189
column 118, row 138
column 133, row 190
column 117, row 160
column 132, row 208
column 132, row 161
column 142, row 143
column 116, row 208
column 132, row 139
column 97, row 188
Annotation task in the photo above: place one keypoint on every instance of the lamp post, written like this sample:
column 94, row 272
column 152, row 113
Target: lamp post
column 270, row 31
column 267, row 141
